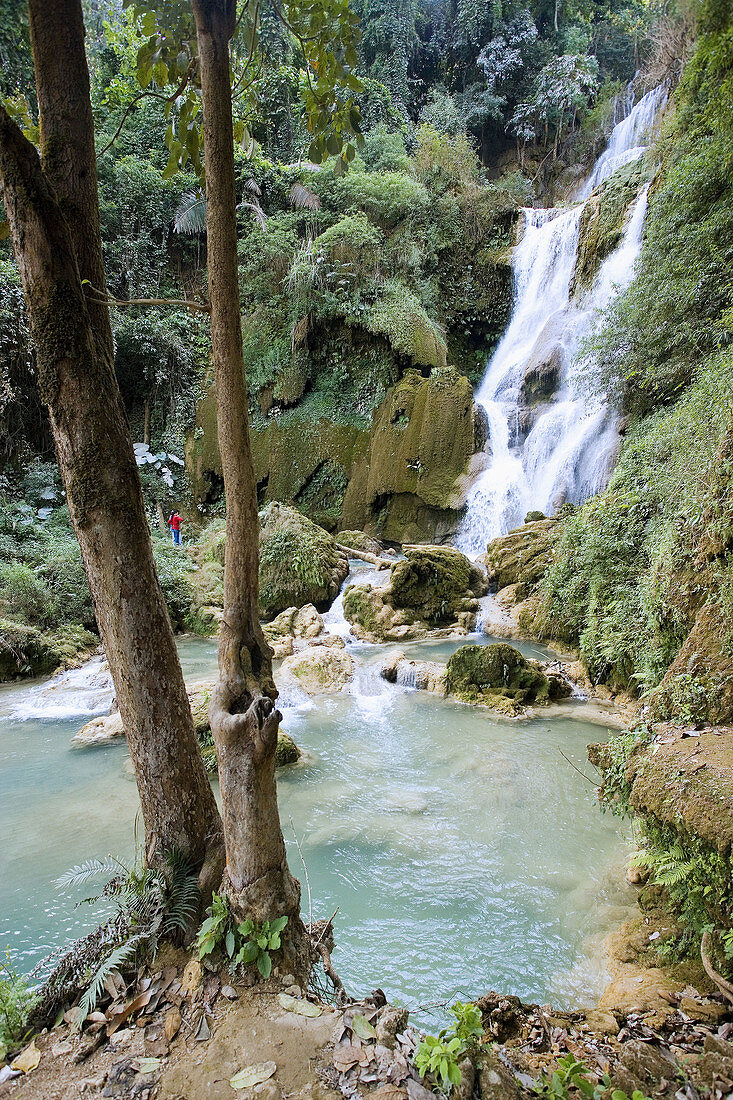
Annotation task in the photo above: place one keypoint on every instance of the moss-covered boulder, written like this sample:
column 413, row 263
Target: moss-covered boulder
column 425, row 449
column 436, row 583
column 698, row 686
column 317, row 670
column 292, row 626
column 433, row 590
column 523, row 556
column 26, row 651
column 299, row 562
column 499, row 676
column 358, row 540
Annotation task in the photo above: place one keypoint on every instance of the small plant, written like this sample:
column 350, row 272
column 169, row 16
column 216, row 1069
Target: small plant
column 16, row 1001
column 467, row 1027
column 604, row 1085
column 153, row 903
column 438, row 1057
column 570, row 1073
column 243, row 943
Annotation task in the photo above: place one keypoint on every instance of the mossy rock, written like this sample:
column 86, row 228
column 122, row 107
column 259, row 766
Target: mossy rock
column 436, row 583
column 318, row 670
column 287, row 752
column 362, row 605
column 421, row 461
column 299, row 562
column 523, row 556
column 358, row 540
column 26, row 651
column 603, row 219
column 492, row 673
column 698, row 686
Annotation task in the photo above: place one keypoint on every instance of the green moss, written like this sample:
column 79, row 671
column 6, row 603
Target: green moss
column 436, row 582
column 359, row 607
column 480, row 673
column 26, row 651
column 299, row 561
column 603, row 219
column 399, row 315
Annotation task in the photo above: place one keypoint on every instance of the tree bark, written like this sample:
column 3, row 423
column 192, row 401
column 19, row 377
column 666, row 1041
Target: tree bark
column 77, row 382
column 244, row 721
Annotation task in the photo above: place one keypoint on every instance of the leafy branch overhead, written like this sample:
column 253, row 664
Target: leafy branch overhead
column 324, row 37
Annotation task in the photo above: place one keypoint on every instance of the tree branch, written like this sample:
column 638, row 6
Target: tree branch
column 187, row 303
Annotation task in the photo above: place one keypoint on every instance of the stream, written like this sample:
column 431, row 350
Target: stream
column 463, row 852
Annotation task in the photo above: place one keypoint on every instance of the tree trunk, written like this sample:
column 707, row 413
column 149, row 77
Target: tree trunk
column 244, row 721
column 77, row 382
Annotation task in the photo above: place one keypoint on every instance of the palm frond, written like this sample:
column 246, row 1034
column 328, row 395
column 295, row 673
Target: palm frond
column 253, row 187
column 91, row 868
column 114, row 961
column 302, row 197
column 257, row 211
column 190, row 217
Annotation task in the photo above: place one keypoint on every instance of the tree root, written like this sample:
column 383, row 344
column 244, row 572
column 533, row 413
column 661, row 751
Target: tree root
column 363, row 555
column 724, row 986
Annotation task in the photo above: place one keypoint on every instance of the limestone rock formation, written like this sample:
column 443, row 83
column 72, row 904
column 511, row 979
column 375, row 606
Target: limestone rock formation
column 299, row 562
column 424, row 675
column 499, row 676
column 425, row 449
column 317, row 670
column 296, row 628
column 523, row 556
column 26, row 651
column 432, row 590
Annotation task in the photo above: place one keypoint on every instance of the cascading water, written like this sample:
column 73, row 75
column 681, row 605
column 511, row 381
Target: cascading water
column 563, row 450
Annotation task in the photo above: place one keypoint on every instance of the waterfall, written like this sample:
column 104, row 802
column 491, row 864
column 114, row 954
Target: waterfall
column 549, row 442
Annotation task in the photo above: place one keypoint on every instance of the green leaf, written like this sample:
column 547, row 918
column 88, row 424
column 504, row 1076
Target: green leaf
column 264, row 964
column 278, row 924
column 333, row 144
column 249, row 951
column 160, row 73
column 4, row 231
column 363, row 1028
column 229, row 942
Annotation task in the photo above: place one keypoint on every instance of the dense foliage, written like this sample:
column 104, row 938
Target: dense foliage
column 638, row 562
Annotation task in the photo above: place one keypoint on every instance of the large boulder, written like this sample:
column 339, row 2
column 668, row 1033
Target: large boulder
column 426, row 447
column 523, row 556
column 423, row 675
column 358, row 540
column 293, row 628
column 500, row 676
column 317, row 670
column 432, row 590
column 299, row 562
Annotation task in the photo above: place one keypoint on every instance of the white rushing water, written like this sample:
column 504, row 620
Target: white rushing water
column 559, row 448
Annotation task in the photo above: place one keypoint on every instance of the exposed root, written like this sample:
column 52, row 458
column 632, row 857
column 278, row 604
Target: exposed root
column 724, row 986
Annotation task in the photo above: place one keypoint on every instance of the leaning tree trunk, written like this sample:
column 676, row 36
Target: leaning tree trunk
column 76, row 378
column 244, row 721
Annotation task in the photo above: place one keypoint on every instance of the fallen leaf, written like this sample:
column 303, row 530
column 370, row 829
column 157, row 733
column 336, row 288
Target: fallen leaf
column 303, row 1008
column 389, row 1092
column 203, row 1031
column 345, row 1057
column 192, row 977
column 363, row 1028
column 253, row 1075
column 28, row 1059
column 172, row 1023
column 149, row 1065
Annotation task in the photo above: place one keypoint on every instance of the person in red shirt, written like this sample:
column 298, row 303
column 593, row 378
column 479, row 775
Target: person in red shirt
column 174, row 522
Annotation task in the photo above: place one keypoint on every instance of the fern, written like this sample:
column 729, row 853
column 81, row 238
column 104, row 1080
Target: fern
column 90, row 869
column 117, row 958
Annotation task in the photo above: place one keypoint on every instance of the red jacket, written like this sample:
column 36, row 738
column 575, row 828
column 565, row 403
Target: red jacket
column 175, row 522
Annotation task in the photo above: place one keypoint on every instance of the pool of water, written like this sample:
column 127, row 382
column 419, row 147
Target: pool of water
column 463, row 852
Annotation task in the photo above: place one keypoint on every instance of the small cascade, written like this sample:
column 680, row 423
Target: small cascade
column 83, row 692
column 544, row 451
column 629, row 138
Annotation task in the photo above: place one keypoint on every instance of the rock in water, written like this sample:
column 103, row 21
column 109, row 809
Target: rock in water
column 299, row 562
column 499, row 676
column 317, row 670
